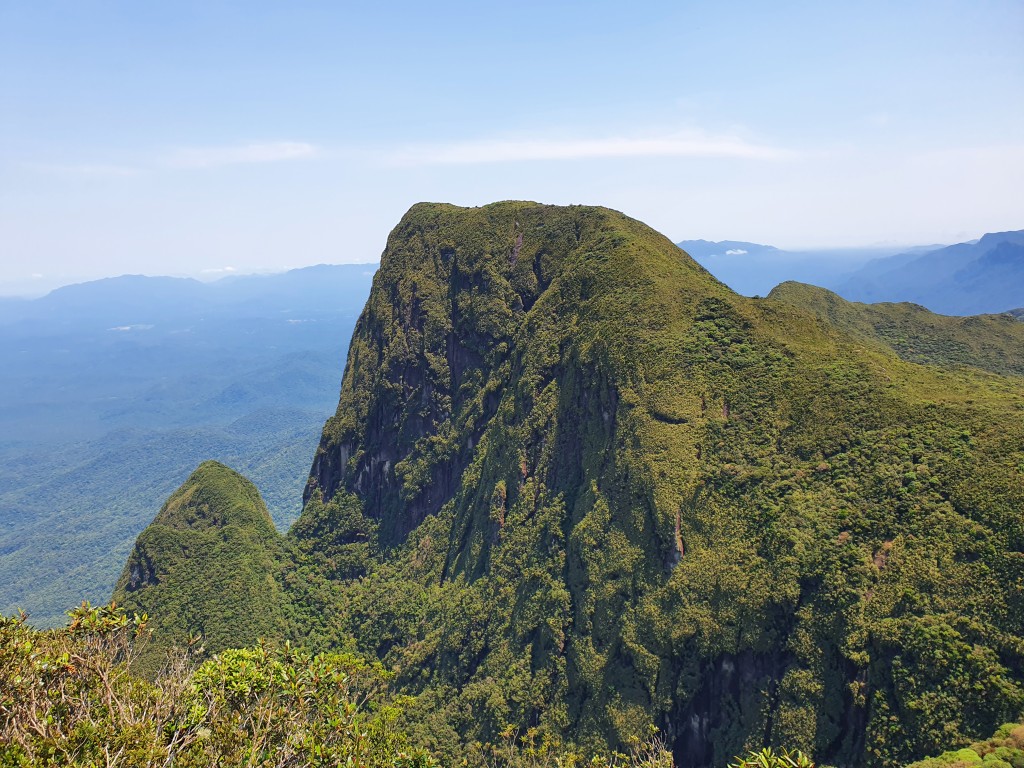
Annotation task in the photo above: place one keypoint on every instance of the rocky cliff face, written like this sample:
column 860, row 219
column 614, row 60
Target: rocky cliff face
column 431, row 353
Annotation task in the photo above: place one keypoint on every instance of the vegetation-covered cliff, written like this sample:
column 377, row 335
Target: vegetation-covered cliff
column 577, row 487
column 614, row 495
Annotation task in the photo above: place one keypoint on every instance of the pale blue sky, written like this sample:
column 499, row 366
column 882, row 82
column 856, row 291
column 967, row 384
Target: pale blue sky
column 190, row 137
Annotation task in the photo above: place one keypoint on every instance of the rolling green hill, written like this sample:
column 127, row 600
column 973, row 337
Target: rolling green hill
column 992, row 342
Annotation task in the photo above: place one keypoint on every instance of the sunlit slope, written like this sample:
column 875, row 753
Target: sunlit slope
column 991, row 342
column 207, row 566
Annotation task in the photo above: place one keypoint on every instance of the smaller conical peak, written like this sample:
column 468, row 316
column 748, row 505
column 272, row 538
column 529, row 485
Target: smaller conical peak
column 215, row 496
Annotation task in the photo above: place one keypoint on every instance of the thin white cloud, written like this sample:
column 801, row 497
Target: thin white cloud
column 192, row 157
column 505, row 151
column 87, row 169
column 217, row 270
column 1005, row 154
column 735, row 252
column 257, row 152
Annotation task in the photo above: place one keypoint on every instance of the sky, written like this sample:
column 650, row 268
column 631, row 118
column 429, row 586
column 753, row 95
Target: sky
column 205, row 138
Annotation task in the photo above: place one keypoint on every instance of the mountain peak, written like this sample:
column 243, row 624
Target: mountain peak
column 206, row 566
column 986, row 275
column 215, row 496
column 630, row 497
column 461, row 296
column 991, row 239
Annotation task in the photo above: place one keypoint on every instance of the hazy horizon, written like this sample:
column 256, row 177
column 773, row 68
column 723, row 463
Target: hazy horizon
column 198, row 137
column 38, row 286
column 851, row 256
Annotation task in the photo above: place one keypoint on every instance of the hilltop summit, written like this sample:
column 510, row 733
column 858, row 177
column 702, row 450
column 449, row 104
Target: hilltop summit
column 206, row 565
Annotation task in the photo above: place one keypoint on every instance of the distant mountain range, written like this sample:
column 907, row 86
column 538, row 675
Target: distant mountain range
column 134, row 299
column 964, row 279
column 112, row 391
column 982, row 276
column 753, row 269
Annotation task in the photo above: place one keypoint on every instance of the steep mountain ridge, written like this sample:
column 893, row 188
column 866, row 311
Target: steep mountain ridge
column 630, row 497
column 448, row 332
column 991, row 342
column 576, row 485
column 962, row 279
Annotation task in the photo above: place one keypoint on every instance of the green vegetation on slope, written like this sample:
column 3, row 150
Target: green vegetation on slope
column 992, row 342
column 112, row 392
column 578, row 489
column 1005, row 749
column 613, row 495
column 207, row 565
column 72, row 514
column 70, row 697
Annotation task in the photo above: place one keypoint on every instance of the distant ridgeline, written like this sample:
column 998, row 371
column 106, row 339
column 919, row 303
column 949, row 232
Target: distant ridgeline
column 962, row 279
column 983, row 276
column 575, row 484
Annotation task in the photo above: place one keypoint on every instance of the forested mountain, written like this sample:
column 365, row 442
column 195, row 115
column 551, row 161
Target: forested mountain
column 576, row 485
column 964, row 279
column 113, row 391
column 753, row 269
column 983, row 276
column 224, row 587
column 990, row 342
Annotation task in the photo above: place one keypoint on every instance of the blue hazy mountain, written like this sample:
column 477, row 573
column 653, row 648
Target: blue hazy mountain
column 112, row 391
column 140, row 298
column 986, row 275
column 753, row 269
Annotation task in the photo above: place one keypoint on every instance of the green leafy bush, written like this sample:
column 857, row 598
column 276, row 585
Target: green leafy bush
column 69, row 697
column 1005, row 749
